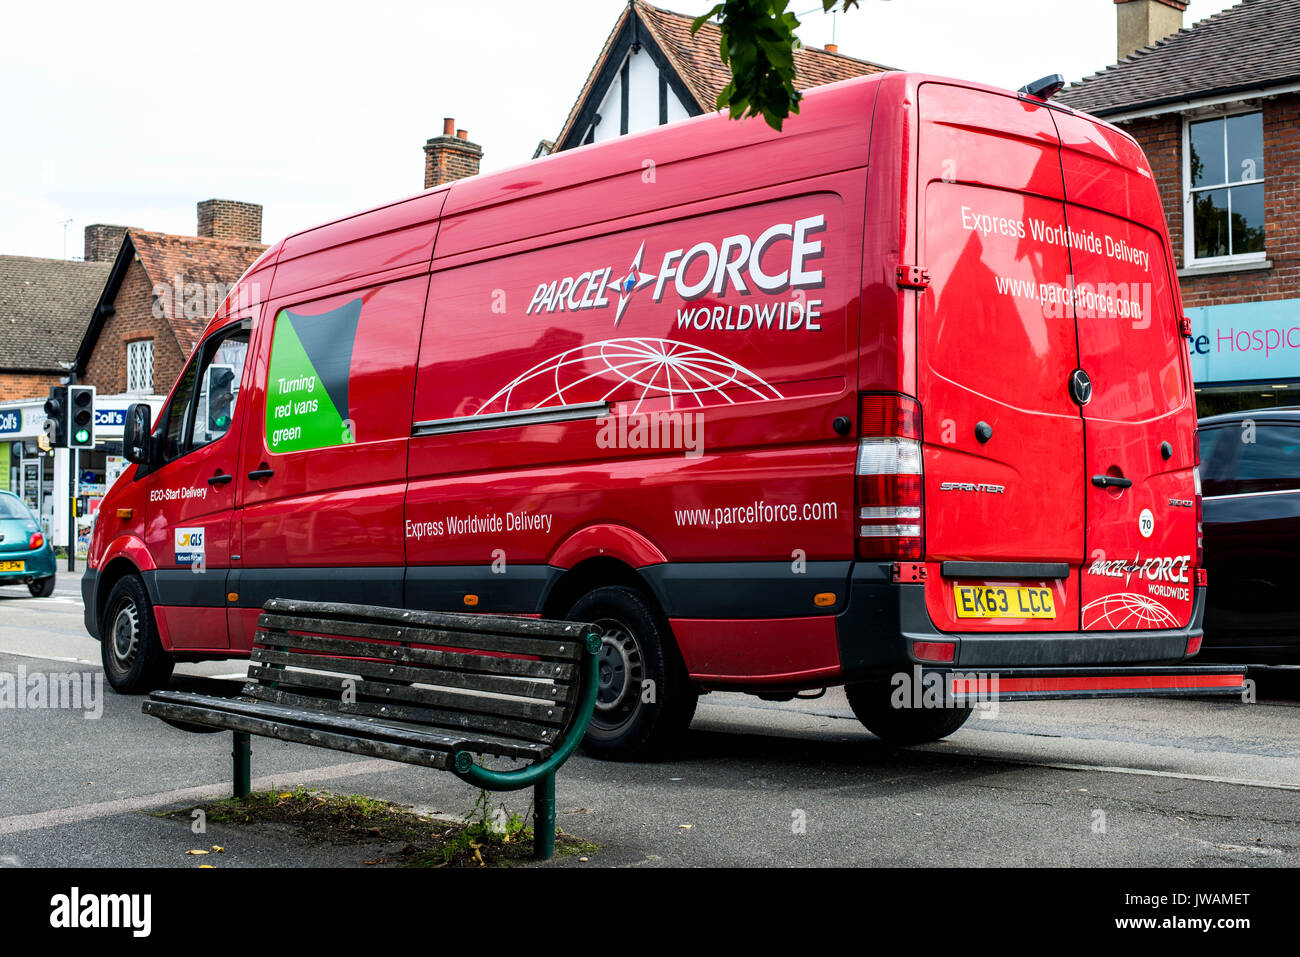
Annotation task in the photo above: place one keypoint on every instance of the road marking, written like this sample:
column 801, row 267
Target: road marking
column 1119, row 769
column 18, row 823
column 24, row 654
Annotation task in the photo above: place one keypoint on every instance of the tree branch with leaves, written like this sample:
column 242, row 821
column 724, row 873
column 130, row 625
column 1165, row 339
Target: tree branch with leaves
column 758, row 44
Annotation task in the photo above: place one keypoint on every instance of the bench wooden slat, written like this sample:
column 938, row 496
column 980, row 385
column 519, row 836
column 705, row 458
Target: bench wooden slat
column 449, row 660
column 284, row 731
column 544, row 648
column 383, row 671
column 382, row 729
column 487, row 624
column 506, row 728
column 406, row 694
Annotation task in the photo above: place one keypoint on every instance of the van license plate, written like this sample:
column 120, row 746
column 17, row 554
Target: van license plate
column 13, row 566
column 998, row 601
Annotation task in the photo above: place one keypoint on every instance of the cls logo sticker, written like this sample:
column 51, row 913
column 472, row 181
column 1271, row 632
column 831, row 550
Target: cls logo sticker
column 1181, row 502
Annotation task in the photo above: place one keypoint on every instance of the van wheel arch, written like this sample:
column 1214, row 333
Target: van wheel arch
column 111, row 574
column 610, row 593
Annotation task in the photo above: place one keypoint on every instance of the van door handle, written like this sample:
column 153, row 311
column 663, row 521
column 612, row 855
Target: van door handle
column 221, row 478
column 259, row 474
column 1111, row 481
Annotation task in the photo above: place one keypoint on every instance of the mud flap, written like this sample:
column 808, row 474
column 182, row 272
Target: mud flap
column 1047, row 684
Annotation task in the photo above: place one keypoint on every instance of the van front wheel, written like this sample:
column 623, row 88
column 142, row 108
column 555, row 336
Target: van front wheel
column 645, row 700
column 134, row 659
column 871, row 703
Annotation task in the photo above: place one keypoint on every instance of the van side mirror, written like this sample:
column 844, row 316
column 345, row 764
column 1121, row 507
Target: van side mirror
column 135, row 433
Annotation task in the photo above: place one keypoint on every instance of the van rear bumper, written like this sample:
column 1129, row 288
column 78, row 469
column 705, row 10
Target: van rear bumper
column 883, row 618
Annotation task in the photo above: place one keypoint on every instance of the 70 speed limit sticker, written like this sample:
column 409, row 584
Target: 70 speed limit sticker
column 1146, row 523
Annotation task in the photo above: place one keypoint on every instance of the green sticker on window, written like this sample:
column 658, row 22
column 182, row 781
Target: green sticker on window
column 307, row 386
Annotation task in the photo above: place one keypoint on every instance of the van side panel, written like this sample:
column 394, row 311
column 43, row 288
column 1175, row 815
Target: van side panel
column 326, row 444
column 711, row 338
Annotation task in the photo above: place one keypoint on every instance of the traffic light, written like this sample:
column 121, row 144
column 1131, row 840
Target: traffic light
column 81, row 405
column 56, row 417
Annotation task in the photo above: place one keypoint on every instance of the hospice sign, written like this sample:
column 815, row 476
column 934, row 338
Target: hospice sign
column 1246, row 341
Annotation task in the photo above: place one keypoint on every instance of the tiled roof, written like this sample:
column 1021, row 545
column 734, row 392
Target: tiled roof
column 194, row 260
column 45, row 306
column 1254, row 45
column 697, row 59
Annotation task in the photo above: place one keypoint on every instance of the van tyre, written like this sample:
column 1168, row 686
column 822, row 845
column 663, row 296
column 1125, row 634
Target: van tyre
column 41, row 587
column 645, row 700
column 871, row 703
column 134, row 659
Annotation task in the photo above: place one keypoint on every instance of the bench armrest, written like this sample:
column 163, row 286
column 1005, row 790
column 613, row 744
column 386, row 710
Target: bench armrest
column 463, row 765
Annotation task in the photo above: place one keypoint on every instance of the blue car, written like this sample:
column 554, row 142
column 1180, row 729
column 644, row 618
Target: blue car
column 25, row 555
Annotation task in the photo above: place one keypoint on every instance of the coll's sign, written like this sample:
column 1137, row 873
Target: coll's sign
column 11, row 422
column 110, row 418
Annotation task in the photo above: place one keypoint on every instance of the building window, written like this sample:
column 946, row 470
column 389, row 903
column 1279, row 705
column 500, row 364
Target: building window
column 139, row 367
column 1224, row 177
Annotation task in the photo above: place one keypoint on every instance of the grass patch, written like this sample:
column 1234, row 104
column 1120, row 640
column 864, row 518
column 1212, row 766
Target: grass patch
column 487, row 836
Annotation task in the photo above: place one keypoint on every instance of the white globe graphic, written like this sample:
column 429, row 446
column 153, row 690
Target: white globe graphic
column 639, row 369
column 1127, row 610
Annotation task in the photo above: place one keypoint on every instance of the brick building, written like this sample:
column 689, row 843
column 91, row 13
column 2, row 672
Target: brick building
column 652, row 70
column 124, row 321
column 1216, row 108
column 159, row 293
column 43, row 308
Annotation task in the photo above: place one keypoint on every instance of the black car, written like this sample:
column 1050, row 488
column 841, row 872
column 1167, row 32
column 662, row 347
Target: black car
column 1250, row 480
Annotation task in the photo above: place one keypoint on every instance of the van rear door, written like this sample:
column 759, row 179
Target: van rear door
column 1139, row 420
column 1004, row 444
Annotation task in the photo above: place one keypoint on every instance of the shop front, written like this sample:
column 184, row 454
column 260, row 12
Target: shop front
column 41, row 478
column 1245, row 355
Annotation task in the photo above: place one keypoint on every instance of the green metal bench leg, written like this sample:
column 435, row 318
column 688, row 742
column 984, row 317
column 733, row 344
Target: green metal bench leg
column 242, row 755
column 544, row 818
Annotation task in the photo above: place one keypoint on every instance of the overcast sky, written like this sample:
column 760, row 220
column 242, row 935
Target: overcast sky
column 131, row 112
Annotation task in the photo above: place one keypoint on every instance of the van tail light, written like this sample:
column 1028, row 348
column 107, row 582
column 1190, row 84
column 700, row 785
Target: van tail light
column 888, row 502
column 1200, row 523
column 37, row 540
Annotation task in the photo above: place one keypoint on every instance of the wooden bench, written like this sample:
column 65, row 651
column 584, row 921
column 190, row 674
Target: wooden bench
column 420, row 687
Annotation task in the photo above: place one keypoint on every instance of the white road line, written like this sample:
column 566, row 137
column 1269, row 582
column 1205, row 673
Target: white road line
column 18, row 823
column 24, row 654
column 1119, row 769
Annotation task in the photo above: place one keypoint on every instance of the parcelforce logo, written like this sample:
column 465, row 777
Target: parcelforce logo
column 742, row 263
column 972, row 487
column 1151, row 569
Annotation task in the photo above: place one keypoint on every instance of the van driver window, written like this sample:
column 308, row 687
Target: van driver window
column 218, row 389
column 173, row 420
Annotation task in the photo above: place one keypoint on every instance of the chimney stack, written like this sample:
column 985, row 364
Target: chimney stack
column 832, row 48
column 228, row 219
column 1140, row 23
column 103, row 242
column 450, row 156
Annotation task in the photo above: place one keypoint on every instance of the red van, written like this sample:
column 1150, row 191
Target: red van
column 899, row 392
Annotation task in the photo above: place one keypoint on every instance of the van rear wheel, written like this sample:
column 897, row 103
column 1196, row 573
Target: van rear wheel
column 871, row 703
column 645, row 701
column 133, row 656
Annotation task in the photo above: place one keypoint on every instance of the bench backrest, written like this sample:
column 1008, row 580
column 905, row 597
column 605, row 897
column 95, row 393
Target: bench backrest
column 496, row 676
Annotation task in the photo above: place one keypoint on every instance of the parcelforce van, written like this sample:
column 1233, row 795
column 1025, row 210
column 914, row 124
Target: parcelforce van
column 896, row 398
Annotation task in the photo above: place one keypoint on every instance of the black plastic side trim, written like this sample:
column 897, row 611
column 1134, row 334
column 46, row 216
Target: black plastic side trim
column 361, row 586
column 89, row 585
column 1031, row 571
column 185, row 587
column 747, row 589
column 518, row 589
